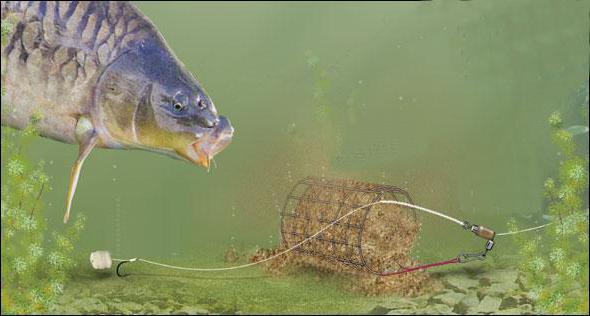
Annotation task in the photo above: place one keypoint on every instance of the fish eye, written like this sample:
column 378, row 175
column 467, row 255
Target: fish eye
column 178, row 107
column 178, row 102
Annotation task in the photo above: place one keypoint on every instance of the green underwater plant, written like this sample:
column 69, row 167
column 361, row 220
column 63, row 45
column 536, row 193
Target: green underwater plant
column 555, row 263
column 34, row 269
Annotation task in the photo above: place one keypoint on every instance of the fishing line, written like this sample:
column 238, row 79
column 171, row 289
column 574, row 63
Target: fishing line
column 478, row 230
column 524, row 230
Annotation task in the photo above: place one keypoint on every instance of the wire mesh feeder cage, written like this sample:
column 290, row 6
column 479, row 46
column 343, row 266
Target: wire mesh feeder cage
column 375, row 239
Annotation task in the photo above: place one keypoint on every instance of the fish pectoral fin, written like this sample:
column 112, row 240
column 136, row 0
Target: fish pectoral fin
column 87, row 139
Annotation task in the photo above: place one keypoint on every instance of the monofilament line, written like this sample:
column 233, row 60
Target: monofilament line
column 284, row 252
column 304, row 240
column 524, row 230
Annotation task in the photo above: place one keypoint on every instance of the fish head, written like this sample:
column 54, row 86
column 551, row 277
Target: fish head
column 146, row 99
column 182, row 121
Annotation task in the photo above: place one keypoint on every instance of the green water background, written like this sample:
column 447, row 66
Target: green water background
column 449, row 100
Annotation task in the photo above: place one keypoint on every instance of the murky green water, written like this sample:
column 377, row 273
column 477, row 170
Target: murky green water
column 447, row 99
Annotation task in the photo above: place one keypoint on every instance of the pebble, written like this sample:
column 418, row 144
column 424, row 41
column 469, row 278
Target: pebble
column 499, row 291
column 470, row 300
column 488, row 304
column 501, row 276
column 502, row 288
column 461, row 282
column 450, row 298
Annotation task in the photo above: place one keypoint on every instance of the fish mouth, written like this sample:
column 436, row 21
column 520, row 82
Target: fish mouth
column 210, row 144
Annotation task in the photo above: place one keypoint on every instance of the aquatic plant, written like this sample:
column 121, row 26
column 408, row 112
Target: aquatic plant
column 555, row 263
column 34, row 269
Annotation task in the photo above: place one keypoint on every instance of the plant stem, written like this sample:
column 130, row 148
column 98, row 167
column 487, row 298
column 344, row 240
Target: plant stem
column 37, row 200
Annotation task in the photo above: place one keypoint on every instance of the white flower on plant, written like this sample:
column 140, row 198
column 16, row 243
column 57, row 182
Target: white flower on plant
column 538, row 264
column 535, row 293
column 566, row 192
column 557, row 256
column 573, row 270
column 35, row 250
column 55, row 259
column 29, row 223
column 555, row 119
column 19, row 265
column 577, row 173
column 15, row 167
column 568, row 224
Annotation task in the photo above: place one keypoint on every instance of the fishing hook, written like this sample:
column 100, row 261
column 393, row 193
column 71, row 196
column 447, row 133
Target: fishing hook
column 121, row 264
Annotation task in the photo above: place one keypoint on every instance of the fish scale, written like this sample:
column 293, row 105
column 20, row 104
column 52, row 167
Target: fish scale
column 74, row 59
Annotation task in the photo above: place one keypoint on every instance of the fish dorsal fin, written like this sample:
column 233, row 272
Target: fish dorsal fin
column 87, row 139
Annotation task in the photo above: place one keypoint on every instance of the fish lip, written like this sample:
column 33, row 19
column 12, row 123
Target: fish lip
column 209, row 144
column 200, row 157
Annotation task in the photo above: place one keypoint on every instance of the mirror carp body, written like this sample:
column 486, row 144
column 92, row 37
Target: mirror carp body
column 99, row 74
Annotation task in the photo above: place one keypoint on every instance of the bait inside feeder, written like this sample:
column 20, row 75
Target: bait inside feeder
column 377, row 239
column 352, row 226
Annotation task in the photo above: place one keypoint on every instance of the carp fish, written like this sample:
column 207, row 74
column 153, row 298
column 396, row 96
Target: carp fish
column 100, row 75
